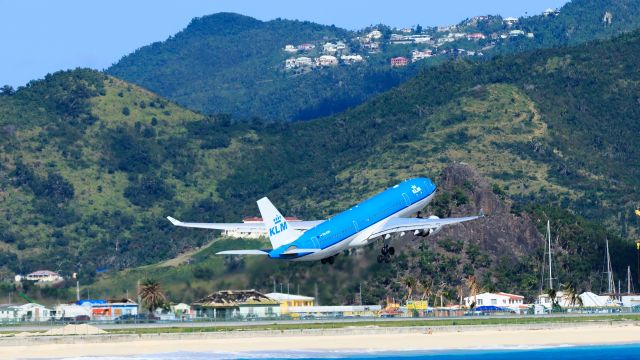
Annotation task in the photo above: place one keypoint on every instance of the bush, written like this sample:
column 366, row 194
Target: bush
column 126, row 111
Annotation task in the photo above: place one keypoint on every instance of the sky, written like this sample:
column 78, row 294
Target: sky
column 43, row 36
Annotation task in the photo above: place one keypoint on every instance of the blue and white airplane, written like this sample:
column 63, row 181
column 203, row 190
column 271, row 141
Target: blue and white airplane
column 378, row 217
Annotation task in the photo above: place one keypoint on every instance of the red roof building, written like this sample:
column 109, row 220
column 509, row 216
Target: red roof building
column 399, row 61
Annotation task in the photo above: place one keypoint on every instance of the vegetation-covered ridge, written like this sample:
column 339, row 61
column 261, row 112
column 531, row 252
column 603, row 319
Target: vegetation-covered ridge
column 229, row 63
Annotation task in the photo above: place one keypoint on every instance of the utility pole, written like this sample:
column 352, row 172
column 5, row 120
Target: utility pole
column 274, row 285
column 549, row 239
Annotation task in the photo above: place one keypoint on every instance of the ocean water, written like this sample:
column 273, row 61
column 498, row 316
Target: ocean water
column 609, row 352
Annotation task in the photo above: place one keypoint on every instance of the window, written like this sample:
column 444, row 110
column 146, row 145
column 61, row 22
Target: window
column 494, row 301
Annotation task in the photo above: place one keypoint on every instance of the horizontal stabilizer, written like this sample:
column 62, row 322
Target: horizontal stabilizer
column 300, row 251
column 242, row 252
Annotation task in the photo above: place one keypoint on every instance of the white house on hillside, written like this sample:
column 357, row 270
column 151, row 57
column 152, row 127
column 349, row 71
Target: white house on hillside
column 43, row 276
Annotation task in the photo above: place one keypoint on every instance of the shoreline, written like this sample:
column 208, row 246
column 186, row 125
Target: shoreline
column 364, row 339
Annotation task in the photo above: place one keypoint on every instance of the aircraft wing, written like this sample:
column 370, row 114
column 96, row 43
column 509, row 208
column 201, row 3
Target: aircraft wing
column 411, row 224
column 297, row 225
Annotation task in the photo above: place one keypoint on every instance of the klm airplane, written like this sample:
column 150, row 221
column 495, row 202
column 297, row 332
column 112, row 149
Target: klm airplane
column 378, row 217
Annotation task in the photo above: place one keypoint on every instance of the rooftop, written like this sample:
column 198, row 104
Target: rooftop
column 234, row 298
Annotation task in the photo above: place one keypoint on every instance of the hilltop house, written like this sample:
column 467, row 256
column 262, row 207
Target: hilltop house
column 329, row 48
column 290, row 48
column 551, row 12
column 516, row 33
column 44, row 276
column 509, row 21
column 306, row 47
column 417, row 55
column 375, row 34
column 341, row 46
column 229, row 304
column 476, row 36
column 327, row 60
column 349, row 59
column 399, row 61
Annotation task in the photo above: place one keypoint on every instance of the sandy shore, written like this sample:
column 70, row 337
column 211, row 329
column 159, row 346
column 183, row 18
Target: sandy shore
column 382, row 339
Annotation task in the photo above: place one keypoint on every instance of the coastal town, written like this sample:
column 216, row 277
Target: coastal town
column 415, row 44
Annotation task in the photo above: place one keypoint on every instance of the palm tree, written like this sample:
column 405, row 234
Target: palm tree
column 472, row 284
column 151, row 294
column 427, row 290
column 572, row 295
column 460, row 294
column 410, row 283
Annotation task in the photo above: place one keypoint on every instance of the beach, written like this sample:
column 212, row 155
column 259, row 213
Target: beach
column 352, row 339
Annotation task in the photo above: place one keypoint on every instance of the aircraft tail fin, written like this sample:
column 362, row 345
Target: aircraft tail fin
column 277, row 226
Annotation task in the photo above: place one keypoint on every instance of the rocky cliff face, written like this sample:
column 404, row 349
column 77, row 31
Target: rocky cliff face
column 500, row 250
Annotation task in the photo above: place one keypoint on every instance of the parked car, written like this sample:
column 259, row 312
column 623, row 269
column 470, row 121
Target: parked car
column 137, row 318
column 80, row 319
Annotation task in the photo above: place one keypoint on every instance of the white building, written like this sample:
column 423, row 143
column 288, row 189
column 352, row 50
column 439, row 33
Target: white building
column 290, row 48
column 589, row 300
column 341, row 45
column 336, row 311
column 550, row 12
column 8, row 314
column 306, row 47
column 510, row 20
column 500, row 299
column 290, row 63
column 421, row 39
column 329, row 48
column 260, row 230
column 71, row 311
column 417, row 55
column 44, row 276
column 630, row 300
column 516, row 33
column 349, row 59
column 327, row 60
column 375, row 34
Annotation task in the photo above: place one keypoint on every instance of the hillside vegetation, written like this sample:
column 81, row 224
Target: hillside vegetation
column 229, row 63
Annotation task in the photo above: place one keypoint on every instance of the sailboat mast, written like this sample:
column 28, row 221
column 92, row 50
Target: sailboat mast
column 549, row 240
column 628, row 279
column 610, row 285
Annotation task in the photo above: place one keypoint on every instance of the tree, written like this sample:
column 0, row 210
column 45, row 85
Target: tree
column 151, row 294
column 418, row 29
column 472, row 284
column 410, row 283
column 572, row 295
column 427, row 290
column 7, row 90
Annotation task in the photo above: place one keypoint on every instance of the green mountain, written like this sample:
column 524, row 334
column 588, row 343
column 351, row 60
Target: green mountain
column 229, row 63
column 92, row 164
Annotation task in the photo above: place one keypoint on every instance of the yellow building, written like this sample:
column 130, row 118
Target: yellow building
column 288, row 300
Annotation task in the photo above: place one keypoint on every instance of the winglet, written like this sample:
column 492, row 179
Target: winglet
column 174, row 221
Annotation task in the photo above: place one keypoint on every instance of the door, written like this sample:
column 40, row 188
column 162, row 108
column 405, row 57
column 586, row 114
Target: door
column 407, row 202
column 316, row 243
column 355, row 225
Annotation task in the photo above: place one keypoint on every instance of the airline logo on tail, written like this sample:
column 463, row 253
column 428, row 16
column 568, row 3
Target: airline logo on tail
column 279, row 225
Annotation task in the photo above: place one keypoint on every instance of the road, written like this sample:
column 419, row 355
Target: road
column 263, row 323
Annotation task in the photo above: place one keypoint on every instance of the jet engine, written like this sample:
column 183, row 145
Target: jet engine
column 427, row 232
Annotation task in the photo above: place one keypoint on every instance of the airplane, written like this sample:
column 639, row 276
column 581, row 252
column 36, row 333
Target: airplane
column 378, row 217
